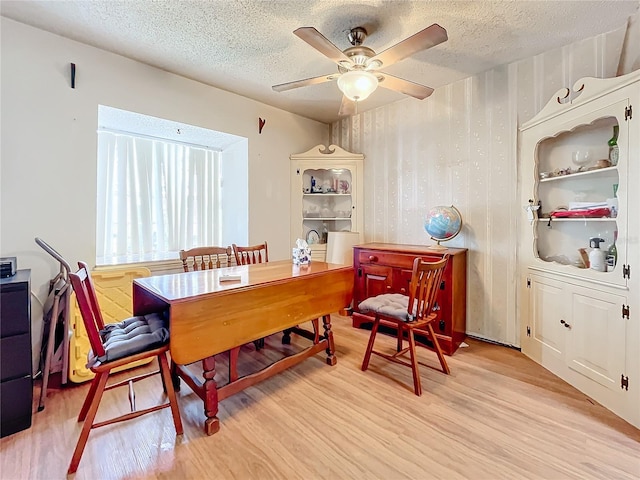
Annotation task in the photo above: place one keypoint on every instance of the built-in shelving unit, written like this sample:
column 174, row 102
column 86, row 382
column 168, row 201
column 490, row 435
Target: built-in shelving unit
column 326, row 195
column 582, row 323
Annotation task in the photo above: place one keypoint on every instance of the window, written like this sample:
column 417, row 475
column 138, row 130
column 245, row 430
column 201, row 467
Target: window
column 160, row 188
column 155, row 198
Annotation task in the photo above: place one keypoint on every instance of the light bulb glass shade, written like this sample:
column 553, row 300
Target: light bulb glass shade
column 357, row 85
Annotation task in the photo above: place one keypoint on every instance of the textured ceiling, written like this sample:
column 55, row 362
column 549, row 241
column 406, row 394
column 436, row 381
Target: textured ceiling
column 246, row 46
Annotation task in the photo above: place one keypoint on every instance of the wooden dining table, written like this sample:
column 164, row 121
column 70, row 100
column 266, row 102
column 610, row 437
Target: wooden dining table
column 209, row 315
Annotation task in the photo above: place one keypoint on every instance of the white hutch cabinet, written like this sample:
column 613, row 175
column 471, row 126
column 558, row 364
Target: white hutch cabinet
column 326, row 195
column 580, row 323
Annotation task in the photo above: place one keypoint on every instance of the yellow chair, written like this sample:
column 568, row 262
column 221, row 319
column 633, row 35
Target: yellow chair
column 114, row 292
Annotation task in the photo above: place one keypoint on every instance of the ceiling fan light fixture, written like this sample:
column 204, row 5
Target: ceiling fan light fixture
column 357, row 85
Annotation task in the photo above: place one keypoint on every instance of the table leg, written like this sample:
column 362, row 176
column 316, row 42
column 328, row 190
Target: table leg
column 175, row 378
column 328, row 334
column 316, row 331
column 212, row 423
column 286, row 336
column 233, row 364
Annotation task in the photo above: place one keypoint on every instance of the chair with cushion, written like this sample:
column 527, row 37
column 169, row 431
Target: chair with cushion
column 408, row 313
column 205, row 258
column 249, row 255
column 115, row 345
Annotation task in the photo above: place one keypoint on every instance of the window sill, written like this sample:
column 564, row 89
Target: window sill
column 157, row 263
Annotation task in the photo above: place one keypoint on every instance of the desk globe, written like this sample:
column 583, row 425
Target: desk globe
column 443, row 223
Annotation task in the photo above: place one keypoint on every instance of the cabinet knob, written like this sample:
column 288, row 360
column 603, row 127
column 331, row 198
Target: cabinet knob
column 566, row 325
column 403, row 290
column 388, row 287
column 373, row 258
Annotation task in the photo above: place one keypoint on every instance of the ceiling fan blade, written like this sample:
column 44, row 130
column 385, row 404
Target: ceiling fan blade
column 427, row 38
column 347, row 107
column 404, row 86
column 303, row 83
column 318, row 41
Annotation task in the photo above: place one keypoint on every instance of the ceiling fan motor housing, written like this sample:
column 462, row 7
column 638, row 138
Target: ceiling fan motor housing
column 359, row 57
column 356, row 36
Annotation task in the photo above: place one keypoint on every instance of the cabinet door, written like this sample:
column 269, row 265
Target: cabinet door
column 596, row 343
column 401, row 281
column 374, row 280
column 546, row 330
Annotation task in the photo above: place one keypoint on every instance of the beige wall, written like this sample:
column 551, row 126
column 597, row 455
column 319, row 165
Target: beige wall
column 460, row 147
column 48, row 163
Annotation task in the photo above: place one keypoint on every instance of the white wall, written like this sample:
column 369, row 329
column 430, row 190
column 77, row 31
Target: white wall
column 459, row 147
column 48, row 164
column 234, row 171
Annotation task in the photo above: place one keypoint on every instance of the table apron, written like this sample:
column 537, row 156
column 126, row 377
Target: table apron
column 209, row 325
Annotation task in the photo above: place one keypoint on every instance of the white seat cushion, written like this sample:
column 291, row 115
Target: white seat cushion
column 133, row 335
column 394, row 305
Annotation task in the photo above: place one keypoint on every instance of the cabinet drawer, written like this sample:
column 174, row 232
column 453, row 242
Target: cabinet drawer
column 16, row 397
column 393, row 259
column 15, row 357
column 14, row 314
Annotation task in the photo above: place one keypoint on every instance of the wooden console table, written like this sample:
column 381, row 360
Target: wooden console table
column 386, row 268
column 208, row 317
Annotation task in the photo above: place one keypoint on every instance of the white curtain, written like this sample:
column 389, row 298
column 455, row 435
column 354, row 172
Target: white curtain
column 155, row 197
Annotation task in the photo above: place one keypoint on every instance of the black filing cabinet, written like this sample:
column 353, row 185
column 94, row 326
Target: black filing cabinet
column 16, row 385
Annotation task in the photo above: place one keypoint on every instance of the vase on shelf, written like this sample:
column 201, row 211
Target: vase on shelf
column 613, row 147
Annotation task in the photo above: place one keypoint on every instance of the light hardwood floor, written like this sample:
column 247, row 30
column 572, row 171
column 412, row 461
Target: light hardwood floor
column 498, row 415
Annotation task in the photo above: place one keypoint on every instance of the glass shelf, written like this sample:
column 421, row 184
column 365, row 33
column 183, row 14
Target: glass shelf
column 598, row 171
column 554, row 220
column 330, row 194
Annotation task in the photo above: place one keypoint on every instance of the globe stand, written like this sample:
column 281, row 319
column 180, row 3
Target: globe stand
column 437, row 246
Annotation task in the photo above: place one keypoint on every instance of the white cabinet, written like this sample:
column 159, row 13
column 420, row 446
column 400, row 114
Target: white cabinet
column 579, row 333
column 580, row 323
column 326, row 195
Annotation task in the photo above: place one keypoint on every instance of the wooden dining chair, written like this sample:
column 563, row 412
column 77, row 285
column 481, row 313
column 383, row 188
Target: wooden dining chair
column 208, row 258
column 409, row 313
column 113, row 346
column 249, row 255
column 205, row 258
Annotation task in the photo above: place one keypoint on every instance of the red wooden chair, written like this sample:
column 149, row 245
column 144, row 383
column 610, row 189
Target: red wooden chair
column 415, row 311
column 209, row 258
column 247, row 256
column 115, row 345
column 254, row 254
column 205, row 258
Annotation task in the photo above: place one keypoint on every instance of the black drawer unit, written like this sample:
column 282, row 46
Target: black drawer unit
column 16, row 384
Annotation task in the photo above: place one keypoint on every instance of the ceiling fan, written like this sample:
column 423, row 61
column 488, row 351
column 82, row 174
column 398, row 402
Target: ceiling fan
column 359, row 66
